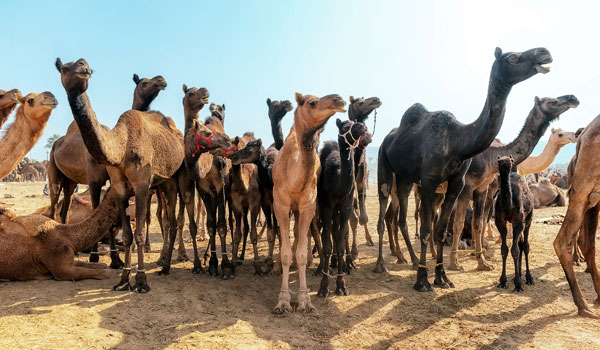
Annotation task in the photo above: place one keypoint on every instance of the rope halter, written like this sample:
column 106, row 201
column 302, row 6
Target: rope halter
column 356, row 142
column 232, row 150
column 198, row 146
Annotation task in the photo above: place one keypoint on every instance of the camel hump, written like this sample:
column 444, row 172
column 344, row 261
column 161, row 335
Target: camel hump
column 413, row 114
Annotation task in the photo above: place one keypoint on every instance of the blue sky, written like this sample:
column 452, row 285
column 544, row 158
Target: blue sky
column 438, row 53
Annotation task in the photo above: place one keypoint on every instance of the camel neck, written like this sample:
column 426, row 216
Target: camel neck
column 346, row 163
column 505, row 190
column 536, row 164
column 277, row 133
column 20, row 137
column 190, row 115
column 521, row 147
column 143, row 106
column 480, row 134
column 263, row 170
column 86, row 233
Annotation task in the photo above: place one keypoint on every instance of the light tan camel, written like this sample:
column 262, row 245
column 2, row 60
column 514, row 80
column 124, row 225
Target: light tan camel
column 536, row 164
column 30, row 120
column 30, row 173
column 546, row 194
column 36, row 247
column 582, row 214
column 295, row 175
column 8, row 102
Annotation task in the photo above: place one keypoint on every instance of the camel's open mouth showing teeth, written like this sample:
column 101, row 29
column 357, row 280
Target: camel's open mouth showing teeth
column 542, row 69
column 84, row 75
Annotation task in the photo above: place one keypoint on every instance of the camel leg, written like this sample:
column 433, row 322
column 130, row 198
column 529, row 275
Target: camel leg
column 455, row 186
column 588, row 231
column 89, row 265
column 164, row 228
column 339, row 237
column 181, row 252
column 426, row 214
column 55, row 180
column 148, row 222
column 501, row 225
column 391, row 222
column 211, row 228
column 188, row 191
column 314, row 230
column 459, row 223
column 516, row 252
column 363, row 219
column 122, row 202
column 282, row 212
column 417, row 208
column 266, row 207
column 326, row 213
column 525, row 249
column 384, row 188
column 169, row 194
column 245, row 232
column 403, row 191
column 564, row 244
column 237, row 237
column 65, row 271
column 479, row 197
column 354, row 227
column 227, row 268
column 305, row 216
column 201, row 219
column 254, row 213
column 142, row 191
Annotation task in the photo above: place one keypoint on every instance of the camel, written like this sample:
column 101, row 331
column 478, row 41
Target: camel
column 359, row 110
column 245, row 197
column 30, row 173
column 295, row 175
column 42, row 170
column 546, row 194
column 30, row 120
column 335, row 195
column 484, row 167
column 536, row 164
column 143, row 150
column 433, row 147
column 71, row 164
column 8, row 102
column 514, row 205
column 35, row 247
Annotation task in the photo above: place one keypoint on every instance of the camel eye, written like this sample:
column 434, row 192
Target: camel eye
column 144, row 83
column 561, row 135
column 313, row 103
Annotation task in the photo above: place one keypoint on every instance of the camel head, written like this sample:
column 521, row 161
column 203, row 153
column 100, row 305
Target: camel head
column 9, row 100
column 74, row 75
column 38, row 107
column 354, row 134
column 313, row 112
column 360, row 108
column 251, row 153
column 505, row 164
column 217, row 111
column 146, row 89
column 511, row 68
column 552, row 108
column 278, row 109
column 561, row 138
column 202, row 139
column 195, row 98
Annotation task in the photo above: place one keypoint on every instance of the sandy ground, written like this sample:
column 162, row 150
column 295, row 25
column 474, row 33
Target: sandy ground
column 186, row 311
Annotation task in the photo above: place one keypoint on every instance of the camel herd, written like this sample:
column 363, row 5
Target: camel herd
column 461, row 176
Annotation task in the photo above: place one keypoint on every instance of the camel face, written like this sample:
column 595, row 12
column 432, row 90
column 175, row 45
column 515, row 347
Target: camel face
column 74, row 75
column 355, row 134
column 148, row 89
column 217, row 143
column 195, row 98
column 249, row 154
column 217, row 111
column 39, row 106
column 361, row 107
column 505, row 164
column 315, row 111
column 561, row 138
column 10, row 98
column 552, row 108
column 514, row 67
column 278, row 109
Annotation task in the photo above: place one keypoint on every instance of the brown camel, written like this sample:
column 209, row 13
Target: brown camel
column 30, row 173
column 42, row 170
column 245, row 198
column 546, row 194
column 34, row 247
column 143, row 150
column 8, row 102
column 295, row 175
column 30, row 120
column 71, row 164
column 536, row 164
column 582, row 214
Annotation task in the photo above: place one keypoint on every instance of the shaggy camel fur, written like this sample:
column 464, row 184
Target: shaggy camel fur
column 335, row 195
column 295, row 175
column 515, row 205
column 433, row 147
column 34, row 247
column 535, row 164
column 30, row 120
column 143, row 150
column 359, row 110
column 8, row 102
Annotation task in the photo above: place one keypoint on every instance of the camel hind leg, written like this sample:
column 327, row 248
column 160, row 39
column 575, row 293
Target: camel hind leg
column 588, row 231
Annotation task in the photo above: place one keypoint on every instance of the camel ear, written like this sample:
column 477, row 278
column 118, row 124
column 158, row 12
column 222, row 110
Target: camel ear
column 498, row 52
column 259, row 142
column 299, row 99
column 338, row 122
column 20, row 98
column 236, row 141
column 59, row 65
column 536, row 100
column 553, row 130
column 185, row 89
column 269, row 102
column 136, row 79
column 223, row 106
column 351, row 99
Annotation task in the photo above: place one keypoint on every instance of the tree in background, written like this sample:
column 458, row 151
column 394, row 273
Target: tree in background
column 51, row 141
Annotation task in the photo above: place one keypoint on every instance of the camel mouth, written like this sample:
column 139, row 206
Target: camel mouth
column 542, row 69
column 205, row 100
column 541, row 65
column 83, row 75
column 340, row 110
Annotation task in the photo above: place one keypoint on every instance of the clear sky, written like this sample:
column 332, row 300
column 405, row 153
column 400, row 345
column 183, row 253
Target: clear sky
column 438, row 53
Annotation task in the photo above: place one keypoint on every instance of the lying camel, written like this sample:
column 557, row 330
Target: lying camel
column 34, row 247
column 546, row 194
